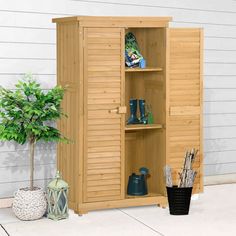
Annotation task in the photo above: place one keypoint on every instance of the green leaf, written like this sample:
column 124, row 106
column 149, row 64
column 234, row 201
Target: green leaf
column 24, row 111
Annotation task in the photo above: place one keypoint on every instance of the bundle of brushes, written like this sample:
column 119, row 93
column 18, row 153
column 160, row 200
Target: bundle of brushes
column 187, row 175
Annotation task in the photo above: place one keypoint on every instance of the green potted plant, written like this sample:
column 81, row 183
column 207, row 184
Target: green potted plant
column 26, row 116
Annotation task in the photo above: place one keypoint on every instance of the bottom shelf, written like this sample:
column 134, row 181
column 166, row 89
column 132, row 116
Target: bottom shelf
column 130, row 201
column 144, row 196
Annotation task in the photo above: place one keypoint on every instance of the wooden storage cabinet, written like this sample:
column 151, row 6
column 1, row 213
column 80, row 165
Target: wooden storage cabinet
column 105, row 151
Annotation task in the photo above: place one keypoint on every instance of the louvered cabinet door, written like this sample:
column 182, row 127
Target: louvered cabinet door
column 184, row 99
column 103, row 114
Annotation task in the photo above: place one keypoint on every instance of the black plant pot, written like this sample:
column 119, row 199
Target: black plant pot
column 179, row 200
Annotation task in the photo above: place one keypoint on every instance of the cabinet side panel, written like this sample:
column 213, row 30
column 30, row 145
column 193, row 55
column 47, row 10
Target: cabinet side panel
column 185, row 99
column 67, row 76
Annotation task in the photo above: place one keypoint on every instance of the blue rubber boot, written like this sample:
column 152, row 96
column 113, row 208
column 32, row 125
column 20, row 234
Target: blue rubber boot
column 133, row 112
column 143, row 117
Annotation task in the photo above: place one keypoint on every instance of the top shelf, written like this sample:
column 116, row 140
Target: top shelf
column 138, row 69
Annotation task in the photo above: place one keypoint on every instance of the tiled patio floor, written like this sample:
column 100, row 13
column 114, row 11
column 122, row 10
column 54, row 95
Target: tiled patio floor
column 213, row 214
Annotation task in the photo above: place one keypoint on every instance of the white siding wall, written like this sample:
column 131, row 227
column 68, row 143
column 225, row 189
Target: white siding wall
column 28, row 44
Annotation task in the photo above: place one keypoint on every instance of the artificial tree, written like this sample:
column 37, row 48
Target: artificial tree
column 27, row 115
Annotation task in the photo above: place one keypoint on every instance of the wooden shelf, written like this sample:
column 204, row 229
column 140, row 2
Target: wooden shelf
column 141, row 127
column 147, row 69
column 144, row 196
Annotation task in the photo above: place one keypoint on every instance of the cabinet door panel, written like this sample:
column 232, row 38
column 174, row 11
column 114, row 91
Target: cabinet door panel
column 103, row 128
column 184, row 99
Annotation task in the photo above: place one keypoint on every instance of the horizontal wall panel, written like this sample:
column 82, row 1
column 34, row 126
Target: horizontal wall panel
column 210, row 5
column 22, row 173
column 27, row 51
column 25, row 66
column 220, row 43
column 220, row 145
column 220, row 169
column 220, row 179
column 9, row 80
column 213, row 95
column 203, row 17
column 8, row 189
column 220, row 107
column 19, row 19
column 63, row 6
column 219, row 69
column 214, row 158
column 28, row 35
column 220, row 132
column 210, row 30
column 44, row 6
column 21, row 158
column 15, row 147
column 212, row 120
column 220, row 55
column 180, row 13
column 220, row 82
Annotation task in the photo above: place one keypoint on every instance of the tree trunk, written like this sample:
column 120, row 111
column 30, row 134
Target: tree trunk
column 32, row 145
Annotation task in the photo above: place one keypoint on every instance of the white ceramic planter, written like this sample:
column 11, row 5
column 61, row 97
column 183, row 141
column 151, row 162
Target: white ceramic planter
column 29, row 205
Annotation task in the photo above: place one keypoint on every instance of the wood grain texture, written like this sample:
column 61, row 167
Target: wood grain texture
column 100, row 123
column 67, row 75
column 184, row 126
column 108, row 21
column 107, row 151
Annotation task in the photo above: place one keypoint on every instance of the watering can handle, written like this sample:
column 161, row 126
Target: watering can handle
column 144, row 170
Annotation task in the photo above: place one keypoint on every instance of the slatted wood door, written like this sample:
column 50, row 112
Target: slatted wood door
column 184, row 99
column 103, row 123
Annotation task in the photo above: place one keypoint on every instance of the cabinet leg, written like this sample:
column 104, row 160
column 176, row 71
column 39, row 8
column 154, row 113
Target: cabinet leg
column 81, row 212
column 162, row 205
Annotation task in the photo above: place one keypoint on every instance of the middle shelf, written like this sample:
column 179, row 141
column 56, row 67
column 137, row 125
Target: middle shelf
column 141, row 127
column 147, row 69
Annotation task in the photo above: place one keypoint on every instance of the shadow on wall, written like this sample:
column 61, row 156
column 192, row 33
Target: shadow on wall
column 14, row 166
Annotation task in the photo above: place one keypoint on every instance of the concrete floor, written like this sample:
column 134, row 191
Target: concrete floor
column 213, row 214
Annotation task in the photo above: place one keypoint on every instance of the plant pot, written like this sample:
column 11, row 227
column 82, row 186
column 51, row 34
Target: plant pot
column 29, row 205
column 179, row 200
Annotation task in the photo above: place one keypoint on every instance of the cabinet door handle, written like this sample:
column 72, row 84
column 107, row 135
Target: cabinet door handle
column 122, row 110
column 114, row 110
column 118, row 110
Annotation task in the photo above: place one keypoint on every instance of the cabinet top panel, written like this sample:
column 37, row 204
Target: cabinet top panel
column 116, row 21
